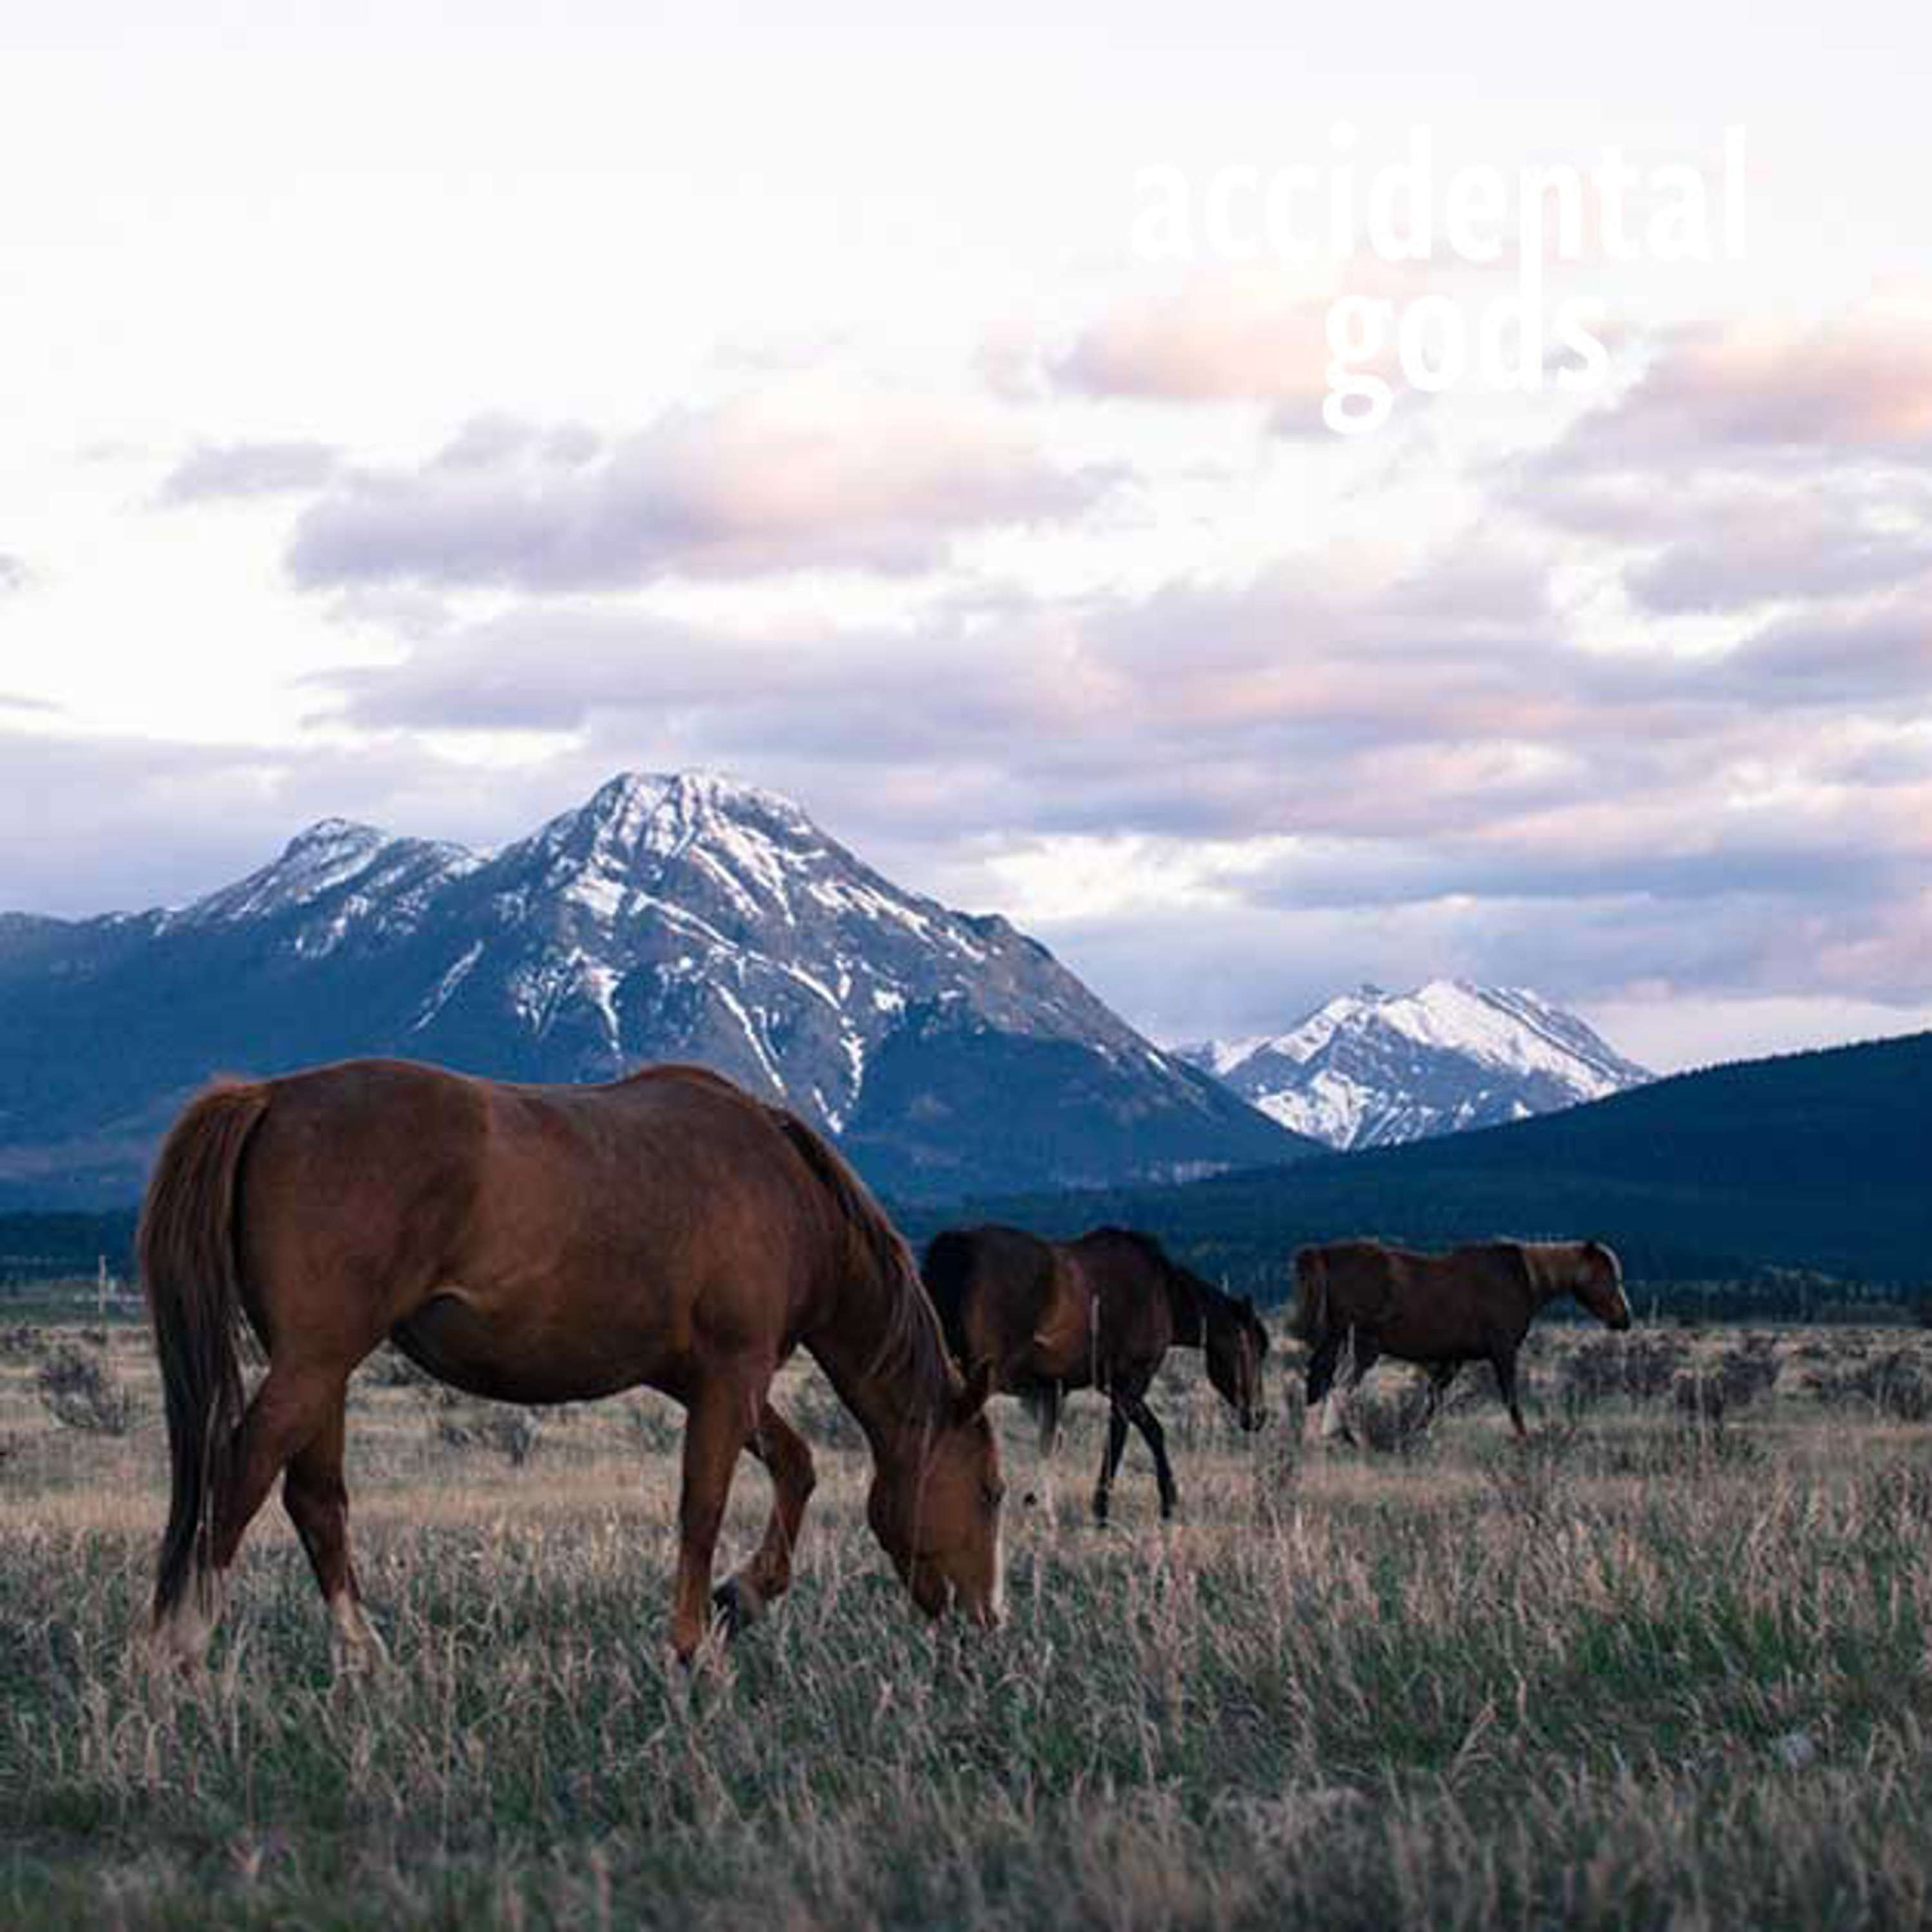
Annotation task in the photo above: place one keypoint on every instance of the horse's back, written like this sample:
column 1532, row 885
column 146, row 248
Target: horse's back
column 1077, row 1314
column 501, row 1222
column 440, row 1114
column 1427, row 1306
column 397, row 1137
column 360, row 1164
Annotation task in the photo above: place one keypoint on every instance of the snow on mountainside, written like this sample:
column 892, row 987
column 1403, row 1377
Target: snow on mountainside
column 669, row 917
column 692, row 915
column 1371, row 1068
column 336, row 879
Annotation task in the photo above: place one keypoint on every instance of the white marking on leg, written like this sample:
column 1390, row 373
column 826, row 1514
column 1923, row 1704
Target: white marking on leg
column 353, row 1637
column 181, row 1638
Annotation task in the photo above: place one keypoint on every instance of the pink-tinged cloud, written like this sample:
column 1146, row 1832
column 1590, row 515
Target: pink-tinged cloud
column 1752, row 467
column 1737, row 537
column 1750, row 546
column 1212, row 343
column 782, row 479
column 1858, row 381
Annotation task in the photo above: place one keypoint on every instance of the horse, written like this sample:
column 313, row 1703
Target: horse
column 1475, row 1304
column 1038, row 1318
column 541, row 1244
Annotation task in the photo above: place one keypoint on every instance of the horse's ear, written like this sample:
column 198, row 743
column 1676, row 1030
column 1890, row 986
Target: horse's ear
column 972, row 1399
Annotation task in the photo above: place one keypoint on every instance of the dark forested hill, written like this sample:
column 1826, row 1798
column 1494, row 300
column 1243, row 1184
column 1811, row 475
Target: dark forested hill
column 1812, row 1160
column 1815, row 1161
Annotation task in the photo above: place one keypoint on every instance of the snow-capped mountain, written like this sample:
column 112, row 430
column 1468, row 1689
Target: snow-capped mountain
column 1370, row 1068
column 668, row 917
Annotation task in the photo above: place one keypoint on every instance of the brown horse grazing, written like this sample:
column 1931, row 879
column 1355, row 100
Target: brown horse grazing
column 541, row 1244
column 1472, row 1304
column 1041, row 1317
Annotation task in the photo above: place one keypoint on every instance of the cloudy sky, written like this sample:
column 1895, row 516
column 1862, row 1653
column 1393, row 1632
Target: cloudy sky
column 418, row 416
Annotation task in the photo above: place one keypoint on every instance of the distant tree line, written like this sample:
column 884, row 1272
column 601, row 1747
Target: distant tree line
column 39, row 1248
column 1666, row 1281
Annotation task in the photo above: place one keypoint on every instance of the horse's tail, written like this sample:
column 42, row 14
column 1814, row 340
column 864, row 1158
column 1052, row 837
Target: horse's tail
column 1043, row 1402
column 1309, row 1322
column 190, row 1272
column 946, row 1269
column 914, row 1343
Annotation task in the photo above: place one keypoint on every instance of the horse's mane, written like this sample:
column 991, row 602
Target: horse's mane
column 1214, row 1299
column 1192, row 1301
column 913, row 1351
column 946, row 1269
column 1132, row 1237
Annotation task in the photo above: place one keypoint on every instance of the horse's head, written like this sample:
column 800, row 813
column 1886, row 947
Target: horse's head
column 1235, row 1341
column 936, row 1511
column 1599, row 1284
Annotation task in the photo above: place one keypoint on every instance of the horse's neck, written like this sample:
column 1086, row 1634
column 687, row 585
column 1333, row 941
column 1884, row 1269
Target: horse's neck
column 1550, row 1269
column 856, row 1347
column 1189, row 1318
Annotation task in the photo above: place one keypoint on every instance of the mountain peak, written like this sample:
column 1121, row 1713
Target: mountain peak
column 1370, row 1067
column 313, row 863
column 657, row 811
column 679, row 915
column 333, row 835
column 696, row 789
column 642, row 837
column 336, row 877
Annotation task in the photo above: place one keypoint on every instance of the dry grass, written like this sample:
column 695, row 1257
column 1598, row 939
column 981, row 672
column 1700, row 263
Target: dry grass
column 1667, row 1668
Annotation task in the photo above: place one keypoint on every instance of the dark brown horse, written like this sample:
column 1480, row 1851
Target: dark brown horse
column 1040, row 1317
column 1474, row 1304
column 541, row 1244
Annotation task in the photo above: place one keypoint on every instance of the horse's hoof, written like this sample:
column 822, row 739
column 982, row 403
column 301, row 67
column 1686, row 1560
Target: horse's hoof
column 172, row 1667
column 737, row 1606
column 355, row 1646
column 363, row 1660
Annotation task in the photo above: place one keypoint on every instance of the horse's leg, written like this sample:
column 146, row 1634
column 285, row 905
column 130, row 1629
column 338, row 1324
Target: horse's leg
column 1504, row 1365
column 718, row 1423
column 286, row 1412
column 1148, row 1424
column 1367, row 1353
column 1049, row 1418
column 314, row 1494
column 742, row 1599
column 1355, row 1359
column 1047, row 1413
column 1320, row 1380
column 1440, row 1375
column 1110, row 1460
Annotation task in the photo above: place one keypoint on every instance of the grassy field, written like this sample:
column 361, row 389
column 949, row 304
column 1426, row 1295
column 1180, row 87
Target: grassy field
column 1670, row 1667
